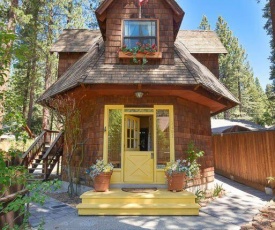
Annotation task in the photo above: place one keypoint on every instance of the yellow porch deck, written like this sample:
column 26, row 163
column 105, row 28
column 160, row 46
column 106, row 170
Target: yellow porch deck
column 118, row 202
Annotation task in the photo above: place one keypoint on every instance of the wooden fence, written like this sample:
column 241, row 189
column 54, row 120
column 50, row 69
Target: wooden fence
column 247, row 157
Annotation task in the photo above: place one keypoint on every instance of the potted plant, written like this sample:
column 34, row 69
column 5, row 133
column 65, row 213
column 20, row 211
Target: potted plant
column 177, row 172
column 101, row 173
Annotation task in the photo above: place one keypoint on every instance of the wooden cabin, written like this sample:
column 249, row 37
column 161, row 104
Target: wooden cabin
column 141, row 116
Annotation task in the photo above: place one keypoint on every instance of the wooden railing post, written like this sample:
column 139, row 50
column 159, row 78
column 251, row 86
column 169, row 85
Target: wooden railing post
column 58, row 162
column 45, row 167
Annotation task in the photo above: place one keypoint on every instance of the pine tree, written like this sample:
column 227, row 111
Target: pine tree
column 204, row 25
column 269, row 30
column 269, row 115
column 39, row 23
column 237, row 75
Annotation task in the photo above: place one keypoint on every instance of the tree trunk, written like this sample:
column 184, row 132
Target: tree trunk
column 46, row 112
column 7, row 57
column 10, row 29
column 33, row 66
column 26, row 92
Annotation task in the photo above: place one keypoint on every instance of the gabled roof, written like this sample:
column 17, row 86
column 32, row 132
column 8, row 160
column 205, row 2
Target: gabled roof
column 178, row 14
column 201, row 41
column 91, row 70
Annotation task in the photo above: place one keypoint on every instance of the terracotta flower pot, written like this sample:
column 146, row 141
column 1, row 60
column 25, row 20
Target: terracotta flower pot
column 102, row 182
column 176, row 181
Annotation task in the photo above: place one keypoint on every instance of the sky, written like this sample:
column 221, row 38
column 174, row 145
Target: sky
column 244, row 19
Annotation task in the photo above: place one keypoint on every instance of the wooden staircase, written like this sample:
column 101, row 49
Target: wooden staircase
column 44, row 154
column 118, row 202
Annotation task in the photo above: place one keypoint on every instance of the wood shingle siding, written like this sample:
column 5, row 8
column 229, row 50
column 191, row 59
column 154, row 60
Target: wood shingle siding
column 66, row 60
column 119, row 10
column 187, row 127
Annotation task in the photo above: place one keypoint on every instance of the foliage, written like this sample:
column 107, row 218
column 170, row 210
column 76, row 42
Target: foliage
column 34, row 68
column 237, row 75
column 140, row 48
column 218, row 188
column 5, row 38
column 99, row 167
column 200, row 195
column 269, row 31
column 204, row 25
column 270, row 179
column 12, row 175
column 193, row 154
column 177, row 167
column 189, row 166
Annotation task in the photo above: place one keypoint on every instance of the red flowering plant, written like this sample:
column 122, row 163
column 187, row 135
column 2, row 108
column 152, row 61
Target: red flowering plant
column 140, row 48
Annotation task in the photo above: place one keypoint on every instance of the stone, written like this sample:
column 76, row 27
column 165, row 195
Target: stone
column 247, row 227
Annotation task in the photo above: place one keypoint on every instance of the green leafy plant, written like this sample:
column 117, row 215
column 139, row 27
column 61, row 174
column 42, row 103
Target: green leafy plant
column 200, row 195
column 178, row 166
column 270, row 179
column 218, row 188
column 193, row 154
column 189, row 166
column 99, row 167
column 14, row 179
column 140, row 48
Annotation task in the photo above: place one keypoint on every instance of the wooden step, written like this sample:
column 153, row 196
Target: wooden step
column 117, row 202
column 138, row 209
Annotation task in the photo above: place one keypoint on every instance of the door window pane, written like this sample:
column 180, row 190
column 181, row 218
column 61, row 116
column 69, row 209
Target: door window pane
column 114, row 137
column 163, row 137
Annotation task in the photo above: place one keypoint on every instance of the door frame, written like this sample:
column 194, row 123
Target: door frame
column 117, row 177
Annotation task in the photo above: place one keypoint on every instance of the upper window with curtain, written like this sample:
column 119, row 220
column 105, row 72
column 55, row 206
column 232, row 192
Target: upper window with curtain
column 139, row 31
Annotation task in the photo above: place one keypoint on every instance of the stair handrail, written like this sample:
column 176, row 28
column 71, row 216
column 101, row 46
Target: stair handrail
column 51, row 131
column 33, row 145
column 57, row 153
column 52, row 146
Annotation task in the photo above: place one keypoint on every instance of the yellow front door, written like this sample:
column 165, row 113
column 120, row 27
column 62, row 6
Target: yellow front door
column 138, row 165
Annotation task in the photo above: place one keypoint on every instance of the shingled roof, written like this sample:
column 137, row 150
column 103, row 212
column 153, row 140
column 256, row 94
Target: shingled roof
column 195, row 41
column 76, row 40
column 91, row 69
column 201, row 41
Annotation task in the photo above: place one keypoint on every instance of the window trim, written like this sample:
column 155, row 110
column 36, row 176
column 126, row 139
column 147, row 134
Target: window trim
column 139, row 19
column 157, row 55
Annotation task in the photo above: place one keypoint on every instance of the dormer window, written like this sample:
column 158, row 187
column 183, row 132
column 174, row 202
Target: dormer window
column 139, row 33
column 142, row 31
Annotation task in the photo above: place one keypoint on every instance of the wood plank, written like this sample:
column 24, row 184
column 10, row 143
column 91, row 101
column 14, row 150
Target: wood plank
column 247, row 157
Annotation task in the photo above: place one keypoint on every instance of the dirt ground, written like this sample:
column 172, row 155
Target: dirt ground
column 64, row 197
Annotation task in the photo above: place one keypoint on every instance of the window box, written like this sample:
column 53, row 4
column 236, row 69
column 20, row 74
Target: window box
column 148, row 55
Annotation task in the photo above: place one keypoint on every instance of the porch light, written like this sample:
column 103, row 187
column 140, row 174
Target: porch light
column 139, row 94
